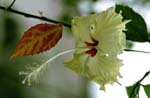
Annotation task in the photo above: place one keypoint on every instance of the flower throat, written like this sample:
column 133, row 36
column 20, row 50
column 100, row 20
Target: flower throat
column 92, row 51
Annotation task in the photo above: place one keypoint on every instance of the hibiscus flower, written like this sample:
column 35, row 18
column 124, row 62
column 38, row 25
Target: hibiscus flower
column 99, row 38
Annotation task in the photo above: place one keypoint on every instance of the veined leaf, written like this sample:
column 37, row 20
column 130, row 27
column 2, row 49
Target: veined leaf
column 132, row 91
column 38, row 39
column 136, row 28
column 147, row 90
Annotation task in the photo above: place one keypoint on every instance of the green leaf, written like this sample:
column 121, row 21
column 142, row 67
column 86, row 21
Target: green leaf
column 148, row 36
column 147, row 90
column 133, row 91
column 136, row 29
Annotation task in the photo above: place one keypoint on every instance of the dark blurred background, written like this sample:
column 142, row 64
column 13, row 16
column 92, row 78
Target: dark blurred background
column 58, row 81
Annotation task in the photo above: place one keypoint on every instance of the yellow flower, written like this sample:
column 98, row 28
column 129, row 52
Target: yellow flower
column 99, row 38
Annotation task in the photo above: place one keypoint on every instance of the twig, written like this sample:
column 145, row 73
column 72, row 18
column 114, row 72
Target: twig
column 130, row 50
column 11, row 4
column 33, row 16
column 138, row 83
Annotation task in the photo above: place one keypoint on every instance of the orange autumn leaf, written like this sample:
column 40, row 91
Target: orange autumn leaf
column 38, row 39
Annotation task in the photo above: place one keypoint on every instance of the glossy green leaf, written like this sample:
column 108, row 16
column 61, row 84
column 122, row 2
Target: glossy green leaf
column 136, row 29
column 133, row 91
column 147, row 90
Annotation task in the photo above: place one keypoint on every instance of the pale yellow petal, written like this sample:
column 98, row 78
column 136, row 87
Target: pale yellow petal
column 102, row 69
column 78, row 63
column 109, row 29
column 106, row 27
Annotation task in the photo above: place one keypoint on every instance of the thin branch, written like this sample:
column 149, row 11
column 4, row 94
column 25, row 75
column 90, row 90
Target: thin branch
column 130, row 50
column 146, row 74
column 33, row 16
column 138, row 83
column 11, row 4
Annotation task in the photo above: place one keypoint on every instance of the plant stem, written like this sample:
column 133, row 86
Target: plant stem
column 33, row 16
column 130, row 50
column 11, row 4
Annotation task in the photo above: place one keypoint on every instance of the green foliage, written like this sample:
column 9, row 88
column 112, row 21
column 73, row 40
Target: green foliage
column 133, row 91
column 71, row 2
column 129, row 44
column 136, row 29
column 69, row 10
column 147, row 90
column 11, row 29
column 94, row 0
column 10, row 86
column 149, row 37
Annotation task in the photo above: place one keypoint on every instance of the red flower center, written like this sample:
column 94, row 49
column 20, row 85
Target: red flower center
column 92, row 51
